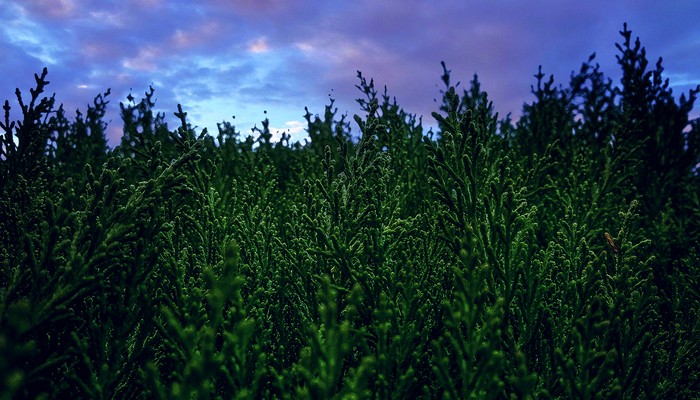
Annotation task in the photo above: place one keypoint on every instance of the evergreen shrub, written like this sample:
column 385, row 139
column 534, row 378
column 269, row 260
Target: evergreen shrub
column 552, row 257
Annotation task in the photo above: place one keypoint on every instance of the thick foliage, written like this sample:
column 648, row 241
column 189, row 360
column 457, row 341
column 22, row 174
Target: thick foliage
column 552, row 258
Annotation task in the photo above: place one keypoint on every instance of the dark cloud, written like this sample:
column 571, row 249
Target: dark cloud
column 221, row 58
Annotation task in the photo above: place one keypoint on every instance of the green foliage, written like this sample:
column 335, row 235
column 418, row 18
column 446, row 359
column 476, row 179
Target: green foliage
column 552, row 258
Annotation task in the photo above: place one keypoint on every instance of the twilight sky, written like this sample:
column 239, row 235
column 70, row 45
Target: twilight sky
column 224, row 58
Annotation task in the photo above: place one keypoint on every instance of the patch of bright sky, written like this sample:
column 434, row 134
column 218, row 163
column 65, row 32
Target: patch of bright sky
column 205, row 100
column 682, row 79
column 265, row 58
column 222, row 109
column 295, row 129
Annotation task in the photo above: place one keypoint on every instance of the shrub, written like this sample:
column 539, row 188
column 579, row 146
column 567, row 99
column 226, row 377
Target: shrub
column 552, row 258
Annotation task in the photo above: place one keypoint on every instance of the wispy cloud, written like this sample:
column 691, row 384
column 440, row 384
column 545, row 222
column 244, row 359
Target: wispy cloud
column 259, row 45
column 56, row 9
column 145, row 60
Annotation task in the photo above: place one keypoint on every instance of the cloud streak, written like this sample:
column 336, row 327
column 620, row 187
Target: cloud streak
column 223, row 58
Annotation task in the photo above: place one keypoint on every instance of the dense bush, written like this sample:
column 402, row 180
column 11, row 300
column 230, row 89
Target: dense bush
column 555, row 257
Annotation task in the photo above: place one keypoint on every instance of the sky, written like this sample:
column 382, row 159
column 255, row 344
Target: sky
column 226, row 58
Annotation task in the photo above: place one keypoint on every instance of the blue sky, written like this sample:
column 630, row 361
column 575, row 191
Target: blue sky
column 224, row 58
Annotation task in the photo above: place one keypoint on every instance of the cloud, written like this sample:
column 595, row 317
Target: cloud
column 258, row 45
column 145, row 60
column 55, row 9
column 105, row 19
column 190, row 38
column 295, row 129
column 33, row 38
